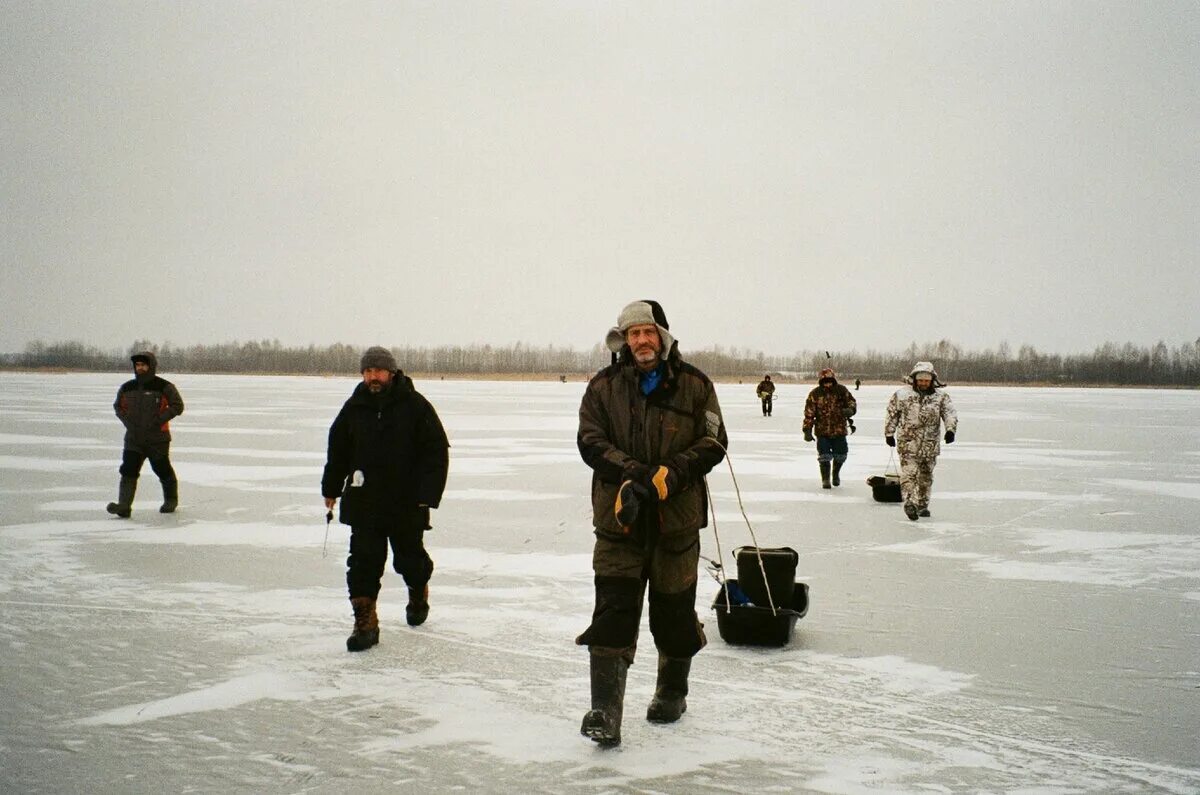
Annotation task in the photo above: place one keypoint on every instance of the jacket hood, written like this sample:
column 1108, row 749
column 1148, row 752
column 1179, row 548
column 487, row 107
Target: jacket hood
column 923, row 367
column 148, row 357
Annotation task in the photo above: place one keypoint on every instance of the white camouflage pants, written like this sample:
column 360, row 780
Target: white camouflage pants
column 916, row 480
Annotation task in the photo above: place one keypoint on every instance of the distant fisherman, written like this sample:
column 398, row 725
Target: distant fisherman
column 827, row 412
column 766, row 393
column 387, row 461
column 146, row 405
column 915, row 415
column 650, row 429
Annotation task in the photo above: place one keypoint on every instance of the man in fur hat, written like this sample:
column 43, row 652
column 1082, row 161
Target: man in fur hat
column 387, row 461
column 651, row 429
column 914, row 418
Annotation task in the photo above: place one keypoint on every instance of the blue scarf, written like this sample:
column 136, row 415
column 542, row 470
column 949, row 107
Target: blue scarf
column 648, row 382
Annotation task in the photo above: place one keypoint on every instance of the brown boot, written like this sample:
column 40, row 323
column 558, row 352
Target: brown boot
column 366, row 624
column 417, row 609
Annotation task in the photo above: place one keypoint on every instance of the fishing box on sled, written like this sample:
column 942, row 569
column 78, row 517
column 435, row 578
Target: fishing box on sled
column 885, row 487
column 755, row 623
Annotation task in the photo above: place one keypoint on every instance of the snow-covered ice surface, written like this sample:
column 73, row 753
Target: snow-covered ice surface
column 1040, row 634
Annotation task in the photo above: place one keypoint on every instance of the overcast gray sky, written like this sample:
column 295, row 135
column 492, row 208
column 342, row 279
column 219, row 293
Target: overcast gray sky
column 779, row 175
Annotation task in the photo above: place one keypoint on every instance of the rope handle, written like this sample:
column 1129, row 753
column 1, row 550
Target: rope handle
column 758, row 553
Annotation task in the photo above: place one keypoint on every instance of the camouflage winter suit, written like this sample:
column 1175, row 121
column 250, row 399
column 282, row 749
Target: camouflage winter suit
column 825, row 413
column 915, row 419
column 678, row 425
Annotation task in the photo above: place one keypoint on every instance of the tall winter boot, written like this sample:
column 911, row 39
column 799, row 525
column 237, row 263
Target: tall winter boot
column 824, row 474
column 170, row 496
column 670, row 691
column 602, row 723
column 837, row 469
column 123, row 507
column 366, row 624
column 417, row 609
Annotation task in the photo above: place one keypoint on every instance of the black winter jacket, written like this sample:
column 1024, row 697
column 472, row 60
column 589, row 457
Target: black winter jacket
column 146, row 405
column 397, row 442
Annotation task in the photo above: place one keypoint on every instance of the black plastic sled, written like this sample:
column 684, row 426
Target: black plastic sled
column 744, row 615
column 885, row 488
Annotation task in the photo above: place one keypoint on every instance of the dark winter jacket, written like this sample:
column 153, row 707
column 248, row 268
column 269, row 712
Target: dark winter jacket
column 826, row 410
column 765, row 388
column 397, row 442
column 145, row 405
column 679, row 425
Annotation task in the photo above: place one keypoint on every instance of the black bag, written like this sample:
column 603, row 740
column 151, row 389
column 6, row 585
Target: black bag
column 351, row 507
column 780, row 566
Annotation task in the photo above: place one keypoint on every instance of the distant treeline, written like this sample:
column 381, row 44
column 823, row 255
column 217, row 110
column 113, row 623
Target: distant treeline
column 1110, row 363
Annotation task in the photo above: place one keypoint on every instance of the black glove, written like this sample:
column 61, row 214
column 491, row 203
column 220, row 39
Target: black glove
column 630, row 497
column 949, row 437
column 853, row 430
column 891, row 440
column 808, row 437
column 638, row 472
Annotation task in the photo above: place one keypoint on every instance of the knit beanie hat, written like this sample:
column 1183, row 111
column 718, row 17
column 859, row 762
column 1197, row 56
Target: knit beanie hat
column 640, row 313
column 378, row 358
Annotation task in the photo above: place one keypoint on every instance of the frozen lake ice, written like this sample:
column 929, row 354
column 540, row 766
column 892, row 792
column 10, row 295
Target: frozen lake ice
column 1041, row 633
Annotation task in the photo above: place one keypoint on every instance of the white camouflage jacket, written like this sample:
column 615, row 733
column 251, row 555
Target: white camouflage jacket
column 915, row 419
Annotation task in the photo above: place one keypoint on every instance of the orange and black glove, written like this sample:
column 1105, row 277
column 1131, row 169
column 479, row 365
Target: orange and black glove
column 664, row 482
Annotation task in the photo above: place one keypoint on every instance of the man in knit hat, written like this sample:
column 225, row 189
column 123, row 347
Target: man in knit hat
column 651, row 429
column 146, row 405
column 387, row 462
column 827, row 411
column 914, row 418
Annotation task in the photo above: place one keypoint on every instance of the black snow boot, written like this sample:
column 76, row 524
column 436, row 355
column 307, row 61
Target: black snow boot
column 670, row 692
column 417, row 609
column 910, row 511
column 837, row 469
column 170, row 496
column 602, row 723
column 123, row 507
column 824, row 474
column 366, row 624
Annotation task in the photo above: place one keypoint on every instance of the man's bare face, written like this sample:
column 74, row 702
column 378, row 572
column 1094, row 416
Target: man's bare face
column 376, row 379
column 644, row 342
column 141, row 368
column 924, row 382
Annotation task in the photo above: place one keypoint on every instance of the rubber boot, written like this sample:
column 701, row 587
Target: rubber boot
column 824, row 474
column 910, row 511
column 123, row 507
column 670, row 691
column 170, row 497
column 366, row 624
column 417, row 609
column 836, row 475
column 602, row 723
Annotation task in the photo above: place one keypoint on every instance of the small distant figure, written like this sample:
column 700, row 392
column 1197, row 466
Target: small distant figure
column 857, row 383
column 827, row 412
column 650, row 428
column 915, row 415
column 146, row 405
column 766, row 393
column 387, row 462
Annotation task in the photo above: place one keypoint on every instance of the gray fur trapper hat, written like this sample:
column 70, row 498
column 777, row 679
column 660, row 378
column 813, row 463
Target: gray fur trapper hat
column 379, row 358
column 640, row 313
